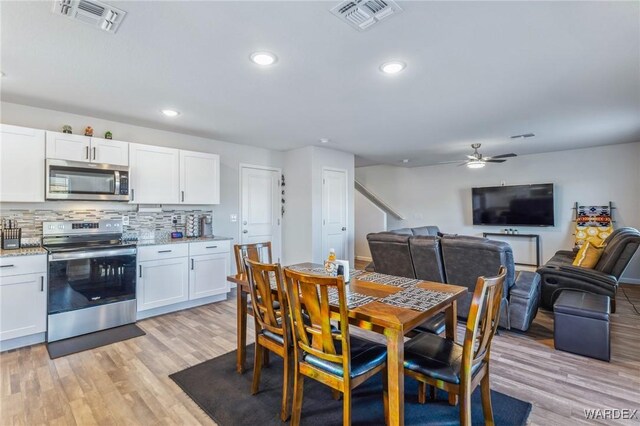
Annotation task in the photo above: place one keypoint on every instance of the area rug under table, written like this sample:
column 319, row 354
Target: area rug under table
column 226, row 397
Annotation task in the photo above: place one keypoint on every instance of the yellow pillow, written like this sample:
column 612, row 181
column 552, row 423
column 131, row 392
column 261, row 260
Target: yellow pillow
column 588, row 256
column 597, row 242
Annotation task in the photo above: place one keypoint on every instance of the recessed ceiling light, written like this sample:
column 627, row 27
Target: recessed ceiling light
column 264, row 58
column 392, row 67
column 170, row 112
column 324, row 140
column 475, row 164
column 406, row 160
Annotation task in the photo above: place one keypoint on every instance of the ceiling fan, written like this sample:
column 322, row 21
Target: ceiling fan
column 477, row 160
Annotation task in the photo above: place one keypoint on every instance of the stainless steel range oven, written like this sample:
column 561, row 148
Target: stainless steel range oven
column 92, row 277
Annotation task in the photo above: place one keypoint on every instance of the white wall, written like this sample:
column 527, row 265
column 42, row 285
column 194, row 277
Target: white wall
column 302, row 233
column 231, row 155
column 441, row 195
column 369, row 218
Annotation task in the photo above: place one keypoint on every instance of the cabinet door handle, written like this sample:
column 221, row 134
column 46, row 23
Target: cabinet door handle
column 94, row 152
column 182, row 196
column 192, row 265
column 41, row 283
column 140, row 274
column 86, row 148
column 7, row 266
column 164, row 251
column 212, row 247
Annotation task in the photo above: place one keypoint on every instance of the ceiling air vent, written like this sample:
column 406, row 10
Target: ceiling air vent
column 92, row 12
column 362, row 14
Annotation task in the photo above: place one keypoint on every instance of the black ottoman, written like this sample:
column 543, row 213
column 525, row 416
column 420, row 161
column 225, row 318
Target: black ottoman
column 582, row 324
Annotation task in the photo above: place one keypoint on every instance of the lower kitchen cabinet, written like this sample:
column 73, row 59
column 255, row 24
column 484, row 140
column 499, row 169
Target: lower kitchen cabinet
column 23, row 305
column 208, row 275
column 162, row 282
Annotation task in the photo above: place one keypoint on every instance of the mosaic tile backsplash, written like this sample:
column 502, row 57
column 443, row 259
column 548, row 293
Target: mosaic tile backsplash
column 142, row 225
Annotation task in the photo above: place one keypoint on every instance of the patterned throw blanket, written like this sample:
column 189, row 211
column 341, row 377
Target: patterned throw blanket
column 592, row 221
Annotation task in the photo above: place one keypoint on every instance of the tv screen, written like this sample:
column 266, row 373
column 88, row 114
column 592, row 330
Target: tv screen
column 521, row 205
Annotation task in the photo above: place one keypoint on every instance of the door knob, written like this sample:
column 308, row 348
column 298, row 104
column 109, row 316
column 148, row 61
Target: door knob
column 344, row 228
column 245, row 232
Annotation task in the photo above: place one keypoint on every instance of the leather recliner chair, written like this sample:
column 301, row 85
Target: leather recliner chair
column 559, row 274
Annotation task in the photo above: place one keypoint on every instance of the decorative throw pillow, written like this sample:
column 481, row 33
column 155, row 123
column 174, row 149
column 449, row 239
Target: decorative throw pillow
column 588, row 256
column 597, row 242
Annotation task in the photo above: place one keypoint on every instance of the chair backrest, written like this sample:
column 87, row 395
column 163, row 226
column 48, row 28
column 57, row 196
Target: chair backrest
column 483, row 320
column 427, row 258
column 260, row 252
column 426, row 230
column 618, row 251
column 466, row 258
column 260, row 277
column 390, row 253
column 310, row 316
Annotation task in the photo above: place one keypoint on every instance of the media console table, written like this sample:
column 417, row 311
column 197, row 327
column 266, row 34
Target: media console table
column 536, row 237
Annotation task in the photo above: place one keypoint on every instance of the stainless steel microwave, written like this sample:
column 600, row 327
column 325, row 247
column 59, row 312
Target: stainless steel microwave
column 75, row 180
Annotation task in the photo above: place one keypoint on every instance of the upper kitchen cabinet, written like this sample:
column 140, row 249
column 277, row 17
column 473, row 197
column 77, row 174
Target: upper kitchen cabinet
column 21, row 164
column 108, row 151
column 64, row 146
column 199, row 178
column 154, row 176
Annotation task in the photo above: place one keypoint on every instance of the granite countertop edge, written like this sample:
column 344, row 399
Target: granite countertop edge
column 33, row 251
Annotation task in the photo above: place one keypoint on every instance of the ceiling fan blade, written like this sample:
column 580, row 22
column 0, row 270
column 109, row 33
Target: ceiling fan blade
column 471, row 157
column 494, row 161
column 505, row 155
column 448, row 162
column 464, row 164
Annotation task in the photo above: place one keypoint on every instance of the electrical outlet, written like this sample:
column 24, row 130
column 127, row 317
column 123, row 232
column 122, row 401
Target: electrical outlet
column 176, row 219
column 125, row 220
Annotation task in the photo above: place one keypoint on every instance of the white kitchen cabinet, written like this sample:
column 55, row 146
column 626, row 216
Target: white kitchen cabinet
column 65, row 146
column 23, row 305
column 154, row 176
column 23, row 297
column 108, row 151
column 199, row 178
column 22, row 153
column 162, row 282
column 208, row 275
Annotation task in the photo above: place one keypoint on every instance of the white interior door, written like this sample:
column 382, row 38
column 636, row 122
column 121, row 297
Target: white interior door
column 260, row 209
column 334, row 212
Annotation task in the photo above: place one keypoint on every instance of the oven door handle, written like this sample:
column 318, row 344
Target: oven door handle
column 55, row 257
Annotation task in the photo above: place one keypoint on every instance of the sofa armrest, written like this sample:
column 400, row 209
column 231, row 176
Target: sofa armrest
column 591, row 276
column 527, row 285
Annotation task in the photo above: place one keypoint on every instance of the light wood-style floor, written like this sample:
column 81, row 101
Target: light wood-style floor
column 128, row 383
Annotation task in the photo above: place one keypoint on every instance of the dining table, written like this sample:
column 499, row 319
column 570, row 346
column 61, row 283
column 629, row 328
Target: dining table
column 389, row 305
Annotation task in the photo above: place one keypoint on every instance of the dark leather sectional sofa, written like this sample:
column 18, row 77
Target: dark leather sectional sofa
column 426, row 254
column 558, row 274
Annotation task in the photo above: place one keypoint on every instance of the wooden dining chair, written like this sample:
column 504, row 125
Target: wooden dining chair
column 271, row 325
column 322, row 351
column 259, row 252
column 455, row 368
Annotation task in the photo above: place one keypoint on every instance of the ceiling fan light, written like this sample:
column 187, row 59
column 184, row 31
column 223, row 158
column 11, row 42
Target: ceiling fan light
column 476, row 164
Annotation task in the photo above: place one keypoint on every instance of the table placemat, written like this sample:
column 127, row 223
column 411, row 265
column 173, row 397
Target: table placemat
column 388, row 279
column 316, row 269
column 353, row 299
column 415, row 298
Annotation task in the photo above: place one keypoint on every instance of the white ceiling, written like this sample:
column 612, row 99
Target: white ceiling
column 477, row 72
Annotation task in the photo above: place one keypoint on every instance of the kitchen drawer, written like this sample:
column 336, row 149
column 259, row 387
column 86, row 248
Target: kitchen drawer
column 164, row 251
column 209, row 247
column 19, row 265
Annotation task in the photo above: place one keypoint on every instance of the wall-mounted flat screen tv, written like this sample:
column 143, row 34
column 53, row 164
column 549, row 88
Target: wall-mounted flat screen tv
column 519, row 205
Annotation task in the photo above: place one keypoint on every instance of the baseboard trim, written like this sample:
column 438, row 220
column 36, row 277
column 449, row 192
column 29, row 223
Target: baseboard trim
column 630, row 281
column 364, row 258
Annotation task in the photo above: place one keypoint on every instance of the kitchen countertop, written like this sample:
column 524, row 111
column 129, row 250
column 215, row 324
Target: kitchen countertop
column 30, row 251
column 168, row 240
column 24, row 251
